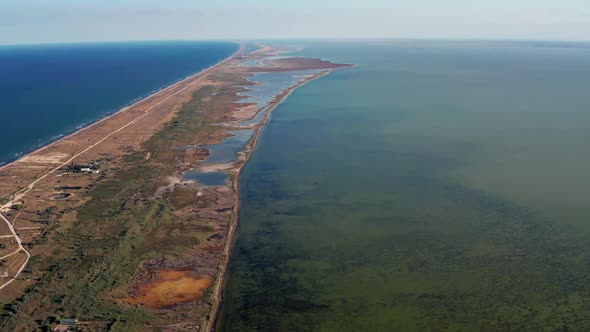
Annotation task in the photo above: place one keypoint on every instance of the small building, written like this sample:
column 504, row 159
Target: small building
column 86, row 169
column 68, row 321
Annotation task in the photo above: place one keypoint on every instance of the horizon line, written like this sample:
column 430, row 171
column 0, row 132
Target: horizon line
column 240, row 40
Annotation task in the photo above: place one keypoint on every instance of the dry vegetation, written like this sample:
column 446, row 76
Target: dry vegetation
column 133, row 247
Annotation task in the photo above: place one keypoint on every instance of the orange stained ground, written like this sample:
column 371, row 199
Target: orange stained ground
column 170, row 287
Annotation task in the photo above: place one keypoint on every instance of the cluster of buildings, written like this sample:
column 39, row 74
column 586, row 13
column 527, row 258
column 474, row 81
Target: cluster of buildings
column 65, row 324
column 92, row 168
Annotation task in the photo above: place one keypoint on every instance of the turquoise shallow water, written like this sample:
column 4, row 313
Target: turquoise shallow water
column 436, row 186
column 227, row 151
column 269, row 85
column 207, row 179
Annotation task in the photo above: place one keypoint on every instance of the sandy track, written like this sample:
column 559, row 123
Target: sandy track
column 19, row 195
column 20, row 248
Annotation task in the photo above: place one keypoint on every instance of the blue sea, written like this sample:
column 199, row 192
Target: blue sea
column 49, row 91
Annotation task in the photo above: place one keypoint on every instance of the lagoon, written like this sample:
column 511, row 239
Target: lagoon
column 435, row 186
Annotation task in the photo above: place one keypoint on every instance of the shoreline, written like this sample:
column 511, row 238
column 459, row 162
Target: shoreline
column 103, row 116
column 196, row 105
column 11, row 198
column 131, row 104
column 220, row 282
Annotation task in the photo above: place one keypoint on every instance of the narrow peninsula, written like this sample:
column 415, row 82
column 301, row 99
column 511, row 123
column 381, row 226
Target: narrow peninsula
column 129, row 223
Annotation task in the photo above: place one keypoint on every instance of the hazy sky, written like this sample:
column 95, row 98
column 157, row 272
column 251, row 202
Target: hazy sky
column 32, row 21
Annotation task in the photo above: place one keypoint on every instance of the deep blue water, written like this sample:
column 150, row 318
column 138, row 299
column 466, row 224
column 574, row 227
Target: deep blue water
column 51, row 90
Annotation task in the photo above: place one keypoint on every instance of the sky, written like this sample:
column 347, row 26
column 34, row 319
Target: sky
column 51, row 21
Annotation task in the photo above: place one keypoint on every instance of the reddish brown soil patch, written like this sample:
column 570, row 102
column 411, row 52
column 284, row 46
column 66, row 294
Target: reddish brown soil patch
column 291, row 64
column 202, row 153
column 214, row 248
column 170, row 287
